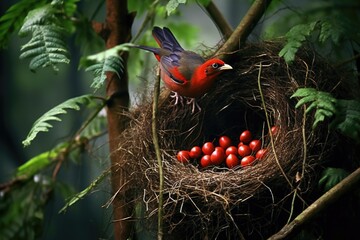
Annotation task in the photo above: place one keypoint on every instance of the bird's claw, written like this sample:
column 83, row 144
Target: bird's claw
column 180, row 99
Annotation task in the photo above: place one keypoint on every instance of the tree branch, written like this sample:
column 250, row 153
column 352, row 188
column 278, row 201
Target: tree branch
column 349, row 183
column 245, row 27
column 219, row 20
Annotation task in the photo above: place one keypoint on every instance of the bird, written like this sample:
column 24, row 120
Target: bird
column 184, row 72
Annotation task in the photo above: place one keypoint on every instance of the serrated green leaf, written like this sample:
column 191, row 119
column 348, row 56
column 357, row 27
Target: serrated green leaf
column 322, row 102
column 295, row 38
column 330, row 177
column 42, row 125
column 172, row 5
column 47, row 46
column 106, row 61
column 84, row 192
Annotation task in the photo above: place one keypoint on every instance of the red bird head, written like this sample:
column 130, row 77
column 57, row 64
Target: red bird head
column 211, row 68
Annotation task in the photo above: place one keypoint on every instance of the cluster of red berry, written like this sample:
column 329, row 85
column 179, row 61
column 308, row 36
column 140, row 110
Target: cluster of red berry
column 247, row 151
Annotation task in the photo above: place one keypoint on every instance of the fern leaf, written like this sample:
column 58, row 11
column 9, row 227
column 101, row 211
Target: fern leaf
column 330, row 177
column 42, row 125
column 46, row 46
column 295, row 38
column 13, row 18
column 322, row 102
column 106, row 61
column 347, row 119
column 84, row 192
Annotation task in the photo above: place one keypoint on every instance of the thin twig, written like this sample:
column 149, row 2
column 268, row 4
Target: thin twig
column 268, row 125
column 158, row 154
column 245, row 27
column 345, row 186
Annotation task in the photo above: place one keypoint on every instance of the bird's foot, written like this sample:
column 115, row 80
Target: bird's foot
column 194, row 103
column 178, row 98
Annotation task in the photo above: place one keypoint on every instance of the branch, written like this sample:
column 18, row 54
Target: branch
column 245, row 27
column 219, row 20
column 158, row 154
column 349, row 183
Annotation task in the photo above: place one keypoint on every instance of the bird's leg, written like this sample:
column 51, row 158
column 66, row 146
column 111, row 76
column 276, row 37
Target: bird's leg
column 178, row 98
column 194, row 104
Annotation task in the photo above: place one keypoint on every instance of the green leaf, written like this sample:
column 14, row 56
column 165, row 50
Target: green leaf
column 14, row 17
column 172, row 5
column 295, row 38
column 322, row 102
column 42, row 125
column 84, row 192
column 347, row 118
column 35, row 164
column 330, row 177
column 106, row 61
column 47, row 46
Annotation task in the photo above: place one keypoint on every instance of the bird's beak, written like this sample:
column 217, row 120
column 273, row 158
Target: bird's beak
column 225, row 67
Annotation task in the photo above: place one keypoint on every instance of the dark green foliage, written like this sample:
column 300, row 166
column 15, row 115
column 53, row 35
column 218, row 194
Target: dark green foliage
column 330, row 177
column 22, row 210
column 347, row 118
column 14, row 17
column 344, row 114
column 295, row 38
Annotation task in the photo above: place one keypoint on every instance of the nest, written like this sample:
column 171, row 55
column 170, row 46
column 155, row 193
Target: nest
column 216, row 202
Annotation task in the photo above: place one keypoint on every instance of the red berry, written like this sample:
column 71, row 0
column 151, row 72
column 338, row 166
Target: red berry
column 261, row 153
column 205, row 161
column 231, row 150
column 244, row 150
column 195, row 152
column 208, row 148
column 183, row 156
column 232, row 160
column 246, row 161
column 274, row 130
column 245, row 136
column 218, row 156
column 255, row 145
column 224, row 142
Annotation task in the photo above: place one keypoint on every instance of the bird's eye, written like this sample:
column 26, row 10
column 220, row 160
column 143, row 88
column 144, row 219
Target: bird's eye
column 215, row 65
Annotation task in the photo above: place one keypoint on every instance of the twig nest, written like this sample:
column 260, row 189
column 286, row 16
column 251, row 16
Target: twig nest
column 247, row 201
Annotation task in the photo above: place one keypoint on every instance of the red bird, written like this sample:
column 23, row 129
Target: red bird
column 183, row 72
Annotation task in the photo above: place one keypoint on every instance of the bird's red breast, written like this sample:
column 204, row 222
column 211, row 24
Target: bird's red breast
column 182, row 71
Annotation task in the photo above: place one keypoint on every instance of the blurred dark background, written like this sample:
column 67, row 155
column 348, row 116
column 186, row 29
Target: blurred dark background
column 25, row 96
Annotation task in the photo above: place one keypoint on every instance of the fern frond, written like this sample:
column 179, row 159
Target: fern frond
column 42, row 125
column 295, row 38
column 46, row 46
column 14, row 17
column 322, row 102
column 347, row 118
column 84, row 192
column 110, row 64
column 106, row 61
